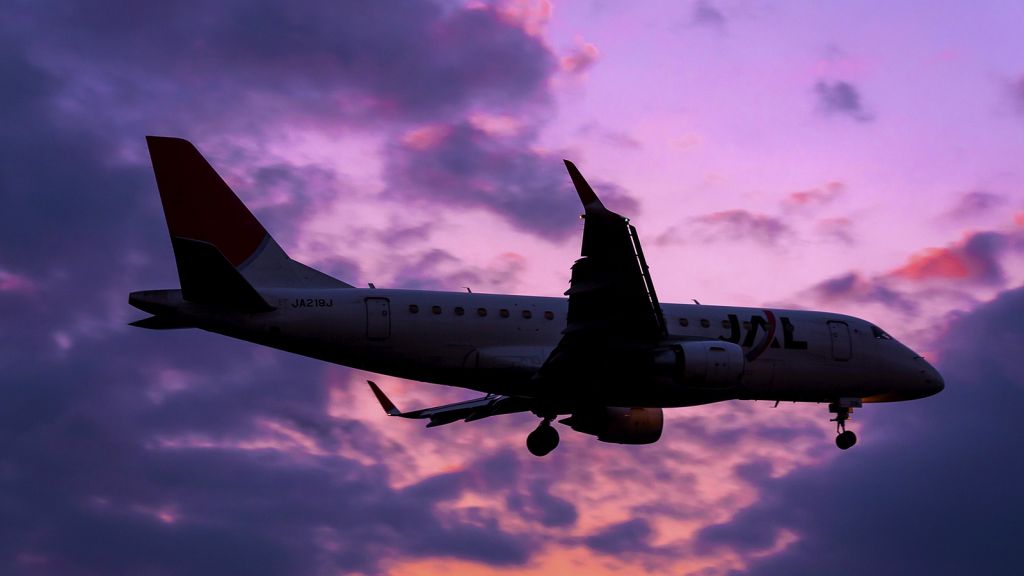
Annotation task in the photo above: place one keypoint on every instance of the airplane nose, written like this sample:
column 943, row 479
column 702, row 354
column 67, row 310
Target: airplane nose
column 933, row 382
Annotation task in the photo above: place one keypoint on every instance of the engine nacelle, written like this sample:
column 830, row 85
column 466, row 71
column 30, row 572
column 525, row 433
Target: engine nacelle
column 700, row 364
column 619, row 425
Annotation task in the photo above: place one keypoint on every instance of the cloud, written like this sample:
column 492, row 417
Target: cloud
column 1015, row 90
column 705, row 14
column 853, row 287
column 743, row 225
column 889, row 503
column 460, row 165
column 841, row 98
column 623, row 538
column 975, row 203
column 838, row 229
column 438, row 269
column 593, row 131
column 815, row 196
column 322, row 61
column 974, row 258
column 581, row 58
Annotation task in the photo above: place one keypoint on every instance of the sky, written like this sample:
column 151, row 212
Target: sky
column 860, row 157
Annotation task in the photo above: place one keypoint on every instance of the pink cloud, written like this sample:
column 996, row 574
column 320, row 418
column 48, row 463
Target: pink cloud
column 581, row 58
column 973, row 258
column 10, row 282
column 816, row 196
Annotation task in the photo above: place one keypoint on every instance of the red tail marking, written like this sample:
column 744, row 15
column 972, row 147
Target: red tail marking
column 198, row 204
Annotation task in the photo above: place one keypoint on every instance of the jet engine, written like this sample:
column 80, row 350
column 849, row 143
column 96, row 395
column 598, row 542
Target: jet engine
column 701, row 364
column 619, row 425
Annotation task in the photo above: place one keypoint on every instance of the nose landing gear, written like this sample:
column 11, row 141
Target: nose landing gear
column 842, row 409
column 543, row 440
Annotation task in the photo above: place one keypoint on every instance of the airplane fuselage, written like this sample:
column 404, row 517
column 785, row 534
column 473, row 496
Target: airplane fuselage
column 496, row 343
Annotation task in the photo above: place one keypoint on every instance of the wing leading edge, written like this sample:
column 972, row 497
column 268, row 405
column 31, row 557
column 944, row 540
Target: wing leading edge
column 613, row 308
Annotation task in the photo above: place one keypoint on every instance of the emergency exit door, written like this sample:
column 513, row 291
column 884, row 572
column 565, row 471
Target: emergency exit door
column 841, row 345
column 378, row 318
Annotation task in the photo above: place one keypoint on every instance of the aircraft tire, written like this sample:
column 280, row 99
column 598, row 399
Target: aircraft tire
column 543, row 440
column 846, row 440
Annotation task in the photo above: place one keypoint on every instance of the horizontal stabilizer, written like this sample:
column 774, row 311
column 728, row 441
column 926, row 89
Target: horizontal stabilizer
column 160, row 323
column 469, row 410
column 208, row 278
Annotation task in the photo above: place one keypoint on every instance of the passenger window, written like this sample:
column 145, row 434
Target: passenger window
column 414, row 309
column 704, row 323
column 527, row 314
column 436, row 309
column 481, row 312
column 503, row 313
column 459, row 310
column 684, row 322
column 549, row 315
column 727, row 324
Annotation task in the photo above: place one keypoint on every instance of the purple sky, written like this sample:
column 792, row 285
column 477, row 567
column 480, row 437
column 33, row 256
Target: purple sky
column 864, row 158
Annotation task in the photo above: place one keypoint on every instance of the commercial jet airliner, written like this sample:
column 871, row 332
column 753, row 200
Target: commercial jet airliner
column 609, row 357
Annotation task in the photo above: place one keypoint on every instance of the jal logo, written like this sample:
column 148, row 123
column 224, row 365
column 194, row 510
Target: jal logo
column 766, row 325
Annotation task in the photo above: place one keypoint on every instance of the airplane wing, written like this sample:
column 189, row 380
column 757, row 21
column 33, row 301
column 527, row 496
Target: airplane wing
column 468, row 411
column 613, row 308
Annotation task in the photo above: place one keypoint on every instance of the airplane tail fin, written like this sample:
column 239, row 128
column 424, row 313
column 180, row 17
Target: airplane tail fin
column 222, row 251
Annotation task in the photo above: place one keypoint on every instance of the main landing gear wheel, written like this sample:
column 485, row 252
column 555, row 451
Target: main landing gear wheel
column 845, row 439
column 543, row 440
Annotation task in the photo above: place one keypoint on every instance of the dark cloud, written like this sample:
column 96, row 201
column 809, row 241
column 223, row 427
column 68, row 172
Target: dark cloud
column 438, row 269
column 841, row 98
column 1015, row 90
column 742, row 225
column 538, row 504
column 462, row 165
column 975, row 258
column 853, row 287
column 630, row 537
column 975, row 203
column 932, row 487
column 357, row 62
column 134, row 452
column 705, row 14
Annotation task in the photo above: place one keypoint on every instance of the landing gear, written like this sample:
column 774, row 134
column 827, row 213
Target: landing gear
column 543, row 440
column 846, row 439
column 842, row 409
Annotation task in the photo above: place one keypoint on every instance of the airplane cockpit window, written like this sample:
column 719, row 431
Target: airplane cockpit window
column 879, row 334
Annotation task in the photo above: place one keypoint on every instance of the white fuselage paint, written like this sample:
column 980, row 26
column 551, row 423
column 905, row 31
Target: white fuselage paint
column 824, row 356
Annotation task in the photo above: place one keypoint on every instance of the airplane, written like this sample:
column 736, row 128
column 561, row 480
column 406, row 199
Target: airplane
column 609, row 358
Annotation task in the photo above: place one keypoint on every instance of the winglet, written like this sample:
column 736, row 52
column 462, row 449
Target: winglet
column 389, row 407
column 587, row 195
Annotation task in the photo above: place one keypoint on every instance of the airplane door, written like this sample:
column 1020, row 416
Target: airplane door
column 841, row 345
column 378, row 318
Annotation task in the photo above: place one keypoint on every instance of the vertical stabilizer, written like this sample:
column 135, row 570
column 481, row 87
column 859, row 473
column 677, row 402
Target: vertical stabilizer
column 201, row 210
